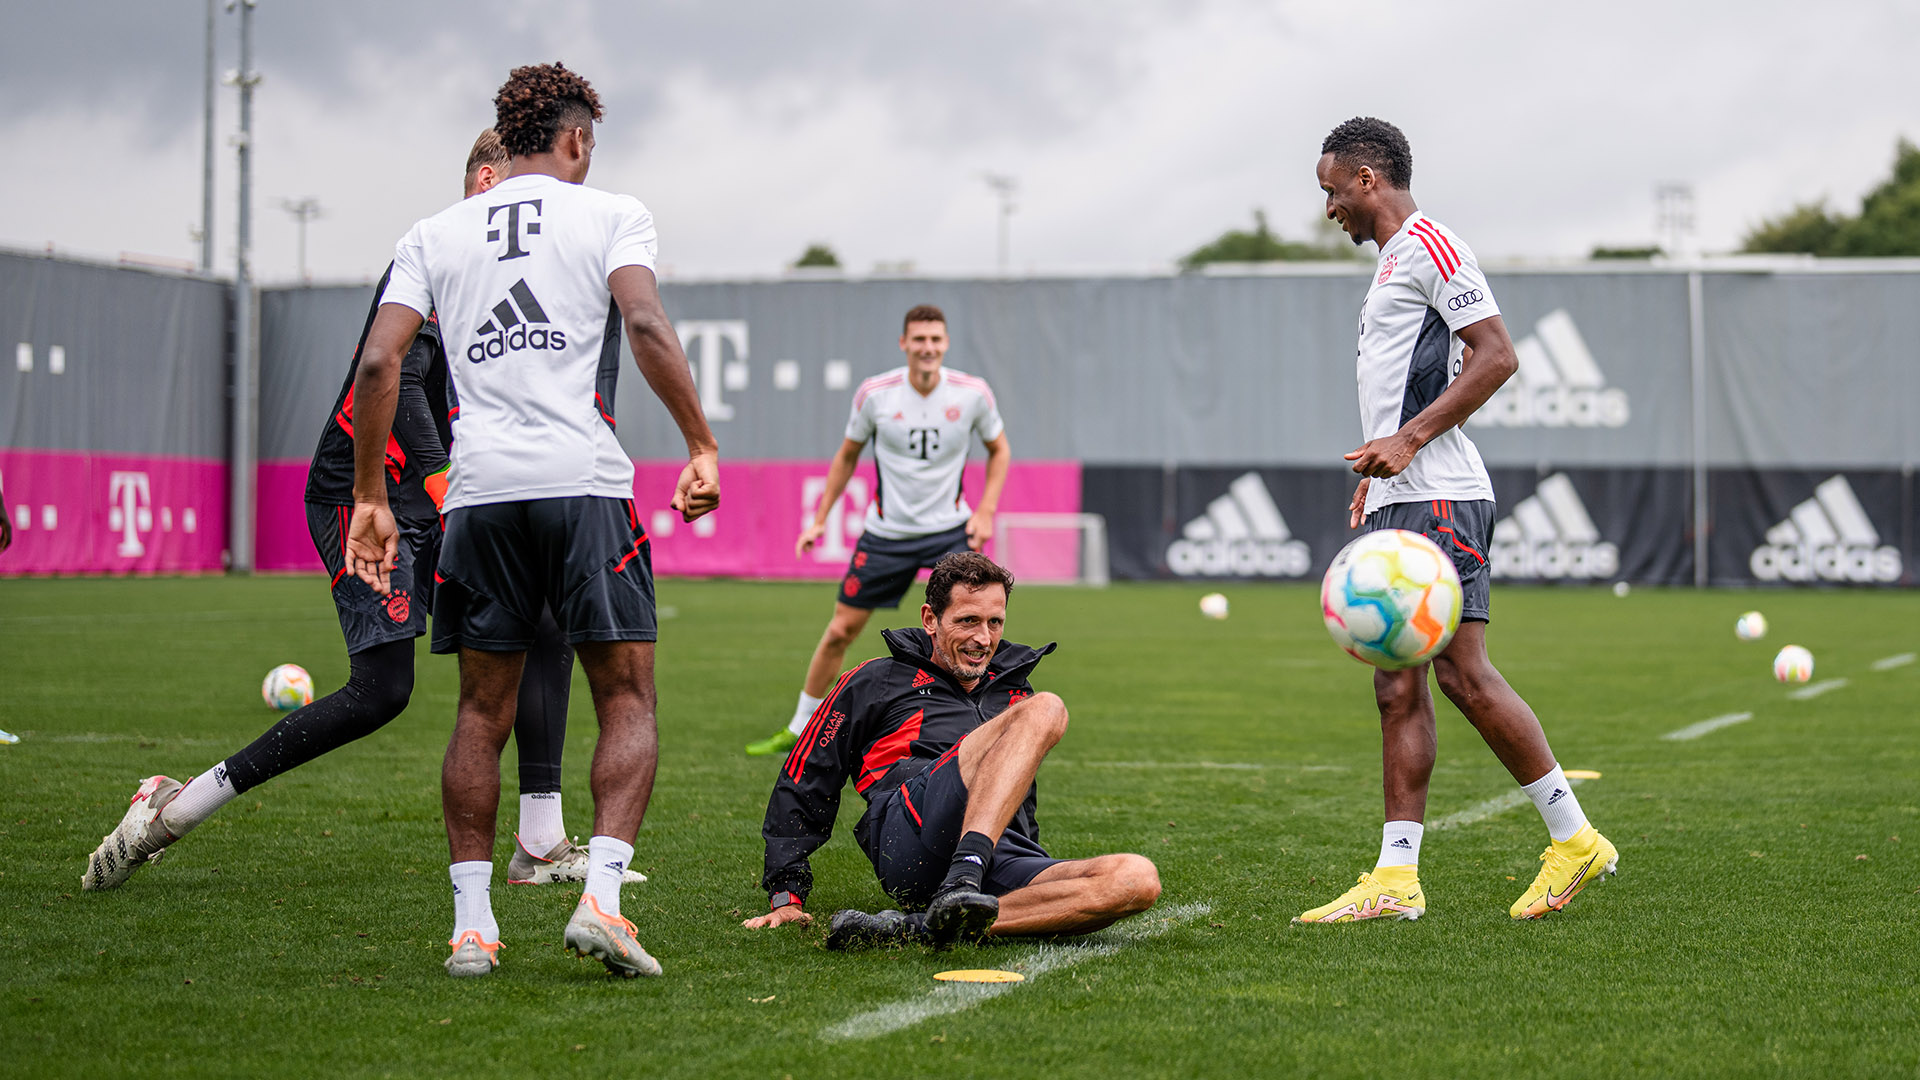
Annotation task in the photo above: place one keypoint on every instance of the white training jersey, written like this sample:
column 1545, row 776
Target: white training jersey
column 1426, row 287
column 920, row 446
column 518, row 275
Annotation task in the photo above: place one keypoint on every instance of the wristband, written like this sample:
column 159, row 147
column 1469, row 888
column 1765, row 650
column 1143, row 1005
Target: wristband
column 782, row 899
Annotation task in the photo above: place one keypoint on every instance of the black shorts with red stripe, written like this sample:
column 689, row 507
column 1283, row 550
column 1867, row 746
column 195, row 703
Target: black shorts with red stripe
column 882, row 570
column 1464, row 530
column 586, row 556
column 916, row 827
column 367, row 618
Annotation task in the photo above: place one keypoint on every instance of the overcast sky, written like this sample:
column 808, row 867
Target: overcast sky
column 1137, row 130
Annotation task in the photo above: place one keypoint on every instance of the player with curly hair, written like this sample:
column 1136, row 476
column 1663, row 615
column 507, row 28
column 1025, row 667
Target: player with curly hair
column 533, row 286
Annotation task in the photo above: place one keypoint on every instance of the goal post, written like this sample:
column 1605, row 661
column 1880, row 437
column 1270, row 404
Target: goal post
column 1053, row 549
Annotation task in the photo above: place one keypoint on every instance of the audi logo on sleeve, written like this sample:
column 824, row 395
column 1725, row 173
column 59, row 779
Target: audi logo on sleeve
column 1466, row 299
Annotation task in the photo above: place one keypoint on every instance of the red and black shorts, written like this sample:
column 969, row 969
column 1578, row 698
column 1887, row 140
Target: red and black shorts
column 367, row 618
column 882, row 570
column 918, row 826
column 586, row 556
column 1464, row 530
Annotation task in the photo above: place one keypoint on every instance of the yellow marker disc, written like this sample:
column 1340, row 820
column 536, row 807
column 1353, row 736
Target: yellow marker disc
column 983, row 975
column 1583, row 774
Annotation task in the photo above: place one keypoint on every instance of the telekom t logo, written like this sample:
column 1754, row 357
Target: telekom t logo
column 129, row 511
column 833, row 546
column 514, row 229
column 704, row 341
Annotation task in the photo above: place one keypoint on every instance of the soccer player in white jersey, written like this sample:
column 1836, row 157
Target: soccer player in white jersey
column 1433, row 349
column 921, row 419
column 533, row 284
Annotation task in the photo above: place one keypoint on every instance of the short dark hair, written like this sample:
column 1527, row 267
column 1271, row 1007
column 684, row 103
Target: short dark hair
column 487, row 150
column 537, row 103
column 969, row 568
column 922, row 313
column 1365, row 140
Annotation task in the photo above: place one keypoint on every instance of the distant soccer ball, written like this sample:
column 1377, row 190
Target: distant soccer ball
column 1391, row 599
column 1750, row 627
column 1794, row 664
column 1213, row 606
column 287, row 687
column 1621, row 589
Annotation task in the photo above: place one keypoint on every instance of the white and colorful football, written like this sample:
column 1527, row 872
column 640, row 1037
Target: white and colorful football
column 1214, row 605
column 1750, row 627
column 1793, row 664
column 287, row 687
column 1391, row 599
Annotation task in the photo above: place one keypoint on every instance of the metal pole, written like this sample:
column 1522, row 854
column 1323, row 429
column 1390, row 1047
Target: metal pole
column 206, row 157
column 1004, row 187
column 245, row 390
column 1697, row 350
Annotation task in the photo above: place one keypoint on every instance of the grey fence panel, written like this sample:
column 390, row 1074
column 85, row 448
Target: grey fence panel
column 111, row 360
column 1812, row 370
column 306, row 345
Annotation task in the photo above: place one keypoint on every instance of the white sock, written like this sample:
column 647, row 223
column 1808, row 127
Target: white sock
column 541, row 826
column 607, row 860
column 196, row 802
column 803, row 713
column 1400, row 843
column 1553, row 795
column 473, row 899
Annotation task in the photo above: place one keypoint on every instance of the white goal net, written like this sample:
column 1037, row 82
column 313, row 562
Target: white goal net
column 1052, row 549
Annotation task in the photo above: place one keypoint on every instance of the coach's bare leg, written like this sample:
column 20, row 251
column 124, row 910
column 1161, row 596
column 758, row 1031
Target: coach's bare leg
column 999, row 759
column 1501, row 716
column 620, row 674
column 1407, row 741
column 1080, row 896
column 470, row 775
column 842, row 631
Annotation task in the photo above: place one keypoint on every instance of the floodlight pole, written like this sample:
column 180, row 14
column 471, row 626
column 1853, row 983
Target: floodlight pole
column 303, row 211
column 206, row 156
column 240, row 509
column 1005, row 187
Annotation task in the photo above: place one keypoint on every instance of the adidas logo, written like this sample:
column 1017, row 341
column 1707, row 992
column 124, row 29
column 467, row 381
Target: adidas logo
column 1558, row 794
column 1558, row 384
column 974, row 859
column 921, row 678
column 1402, row 843
column 1551, row 535
column 519, row 322
column 1242, row 535
column 1826, row 538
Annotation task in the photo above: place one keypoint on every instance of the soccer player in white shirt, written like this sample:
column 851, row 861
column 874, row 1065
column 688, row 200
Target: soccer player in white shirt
column 532, row 285
column 1433, row 349
column 921, row 419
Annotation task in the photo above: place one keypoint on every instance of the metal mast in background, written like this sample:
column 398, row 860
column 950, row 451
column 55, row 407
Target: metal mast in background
column 245, row 361
column 206, row 157
column 303, row 211
column 1005, row 187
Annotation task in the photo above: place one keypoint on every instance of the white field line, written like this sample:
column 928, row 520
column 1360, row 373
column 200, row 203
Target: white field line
column 1243, row 766
column 1498, row 805
column 113, row 737
column 1694, row 731
column 1814, row 690
column 948, row 998
column 1892, row 662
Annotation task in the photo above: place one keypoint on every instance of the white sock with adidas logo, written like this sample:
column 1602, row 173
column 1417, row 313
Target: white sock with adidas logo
column 1400, row 843
column 1554, row 798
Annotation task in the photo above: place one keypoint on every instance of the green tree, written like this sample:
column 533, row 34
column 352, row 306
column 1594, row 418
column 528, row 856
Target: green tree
column 1888, row 223
column 1261, row 245
column 817, row 255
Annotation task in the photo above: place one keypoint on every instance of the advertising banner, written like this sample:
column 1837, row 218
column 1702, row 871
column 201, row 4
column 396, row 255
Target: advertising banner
column 81, row 513
column 1811, row 527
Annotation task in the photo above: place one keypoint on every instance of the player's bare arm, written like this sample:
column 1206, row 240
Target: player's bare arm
column 1486, row 364
column 780, row 916
column 656, row 349
column 373, row 540
column 980, row 525
column 838, row 473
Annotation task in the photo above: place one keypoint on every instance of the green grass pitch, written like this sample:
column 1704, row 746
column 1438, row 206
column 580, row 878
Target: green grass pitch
column 1766, row 920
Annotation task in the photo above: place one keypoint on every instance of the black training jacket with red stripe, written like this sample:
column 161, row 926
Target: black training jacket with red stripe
column 883, row 722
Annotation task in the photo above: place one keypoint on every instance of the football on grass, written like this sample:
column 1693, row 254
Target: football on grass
column 287, row 687
column 1391, row 599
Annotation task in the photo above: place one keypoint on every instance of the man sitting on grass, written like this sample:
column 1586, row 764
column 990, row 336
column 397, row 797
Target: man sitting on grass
column 943, row 739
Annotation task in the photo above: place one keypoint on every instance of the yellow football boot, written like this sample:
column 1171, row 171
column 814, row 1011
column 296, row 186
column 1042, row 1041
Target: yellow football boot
column 1390, row 892
column 1566, row 868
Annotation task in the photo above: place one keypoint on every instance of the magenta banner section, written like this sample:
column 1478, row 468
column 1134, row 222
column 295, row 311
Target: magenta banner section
column 75, row 512
column 763, row 506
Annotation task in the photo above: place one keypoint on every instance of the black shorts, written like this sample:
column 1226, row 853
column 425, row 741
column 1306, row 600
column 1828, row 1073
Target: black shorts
column 367, row 618
column 918, row 826
column 882, row 570
column 1464, row 530
column 588, row 557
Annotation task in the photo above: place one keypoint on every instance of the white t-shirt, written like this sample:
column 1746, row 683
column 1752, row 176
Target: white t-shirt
column 920, row 446
column 518, row 275
column 1426, row 287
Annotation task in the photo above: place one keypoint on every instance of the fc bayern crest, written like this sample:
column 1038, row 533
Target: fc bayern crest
column 953, row 413
column 1386, row 269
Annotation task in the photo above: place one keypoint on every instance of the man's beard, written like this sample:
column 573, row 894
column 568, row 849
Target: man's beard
column 958, row 666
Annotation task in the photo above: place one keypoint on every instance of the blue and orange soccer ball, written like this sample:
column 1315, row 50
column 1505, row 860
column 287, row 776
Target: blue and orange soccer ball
column 1391, row 599
column 287, row 687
